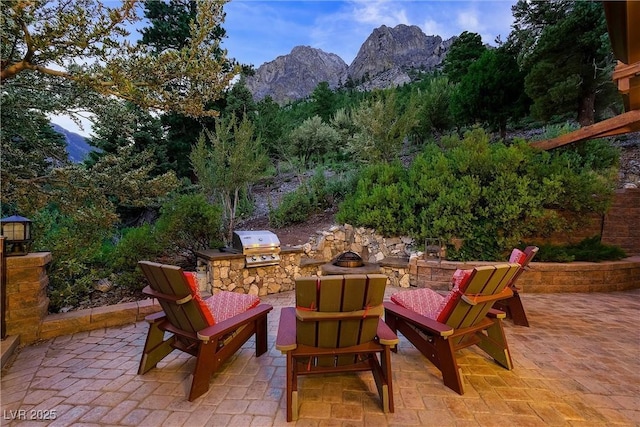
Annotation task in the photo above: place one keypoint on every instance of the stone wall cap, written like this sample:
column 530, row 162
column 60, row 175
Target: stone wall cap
column 32, row 259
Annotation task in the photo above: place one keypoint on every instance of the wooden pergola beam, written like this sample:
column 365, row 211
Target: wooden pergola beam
column 624, row 33
column 623, row 123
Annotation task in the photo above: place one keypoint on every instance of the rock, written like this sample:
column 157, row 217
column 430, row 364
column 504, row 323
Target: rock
column 103, row 285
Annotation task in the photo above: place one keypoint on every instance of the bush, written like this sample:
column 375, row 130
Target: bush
column 590, row 249
column 315, row 196
column 189, row 223
column 136, row 244
column 491, row 195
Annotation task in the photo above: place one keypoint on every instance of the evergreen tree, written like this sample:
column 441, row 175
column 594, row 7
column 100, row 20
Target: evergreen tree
column 565, row 49
column 324, row 100
column 463, row 52
column 492, row 91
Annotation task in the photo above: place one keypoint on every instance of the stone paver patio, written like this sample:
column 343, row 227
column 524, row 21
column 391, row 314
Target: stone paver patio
column 577, row 365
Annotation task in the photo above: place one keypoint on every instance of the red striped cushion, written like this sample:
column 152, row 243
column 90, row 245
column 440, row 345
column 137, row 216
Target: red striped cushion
column 204, row 308
column 517, row 256
column 423, row 301
column 224, row 305
column 460, row 282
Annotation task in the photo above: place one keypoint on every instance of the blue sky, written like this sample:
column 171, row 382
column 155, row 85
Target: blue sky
column 259, row 31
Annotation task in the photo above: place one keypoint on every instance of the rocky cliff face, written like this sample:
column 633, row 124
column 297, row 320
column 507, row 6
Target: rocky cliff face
column 388, row 53
column 296, row 75
column 383, row 60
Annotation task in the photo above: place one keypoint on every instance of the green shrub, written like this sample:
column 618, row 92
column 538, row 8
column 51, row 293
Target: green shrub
column 314, row 196
column 294, row 208
column 187, row 224
column 590, row 249
column 136, row 244
column 491, row 195
column 76, row 245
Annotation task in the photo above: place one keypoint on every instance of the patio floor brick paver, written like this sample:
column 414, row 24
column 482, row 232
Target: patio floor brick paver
column 577, row 365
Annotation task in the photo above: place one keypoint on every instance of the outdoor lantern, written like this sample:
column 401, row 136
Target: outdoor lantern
column 17, row 235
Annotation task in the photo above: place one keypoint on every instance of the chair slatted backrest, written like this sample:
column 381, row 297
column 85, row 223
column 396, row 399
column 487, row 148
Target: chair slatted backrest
column 338, row 311
column 168, row 280
column 484, row 281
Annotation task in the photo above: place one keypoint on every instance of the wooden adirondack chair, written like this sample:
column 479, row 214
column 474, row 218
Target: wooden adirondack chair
column 438, row 326
column 212, row 330
column 336, row 326
column 512, row 306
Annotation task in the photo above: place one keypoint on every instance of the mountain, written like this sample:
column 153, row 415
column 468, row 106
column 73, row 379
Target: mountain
column 387, row 55
column 77, row 146
column 384, row 60
column 296, row 75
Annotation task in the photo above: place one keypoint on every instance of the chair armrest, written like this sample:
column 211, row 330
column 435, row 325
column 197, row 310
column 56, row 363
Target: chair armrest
column 494, row 313
column 286, row 338
column 482, row 299
column 385, row 335
column 419, row 320
column 155, row 317
column 166, row 297
column 229, row 325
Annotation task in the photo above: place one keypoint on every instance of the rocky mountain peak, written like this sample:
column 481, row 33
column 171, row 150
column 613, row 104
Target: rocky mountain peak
column 296, row 75
column 384, row 60
column 388, row 53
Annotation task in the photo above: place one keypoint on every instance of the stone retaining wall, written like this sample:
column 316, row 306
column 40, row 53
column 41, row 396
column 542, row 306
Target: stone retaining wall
column 541, row 277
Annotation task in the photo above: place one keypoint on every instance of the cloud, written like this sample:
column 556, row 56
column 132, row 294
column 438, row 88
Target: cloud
column 469, row 19
column 434, row 28
column 379, row 12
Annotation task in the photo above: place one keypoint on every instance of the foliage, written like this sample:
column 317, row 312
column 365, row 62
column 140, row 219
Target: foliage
column 379, row 200
column 434, row 107
column 464, row 51
column 76, row 211
column 382, row 129
column 189, row 223
column 75, row 241
column 324, row 100
column 568, row 56
column 312, row 139
column 294, row 208
column 590, row 249
column 491, row 91
column 87, row 41
column 491, row 195
column 311, row 197
column 270, row 125
column 225, row 165
column 136, row 244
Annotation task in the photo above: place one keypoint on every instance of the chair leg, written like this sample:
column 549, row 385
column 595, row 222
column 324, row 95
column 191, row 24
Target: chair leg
column 382, row 375
column 292, row 388
column 205, row 367
column 155, row 348
column 261, row 335
column 494, row 343
column 516, row 310
column 445, row 355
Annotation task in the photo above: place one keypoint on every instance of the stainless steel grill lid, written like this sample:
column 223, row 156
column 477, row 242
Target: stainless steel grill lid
column 260, row 247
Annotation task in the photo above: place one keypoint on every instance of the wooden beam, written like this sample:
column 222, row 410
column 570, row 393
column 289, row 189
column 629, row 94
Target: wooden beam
column 623, row 123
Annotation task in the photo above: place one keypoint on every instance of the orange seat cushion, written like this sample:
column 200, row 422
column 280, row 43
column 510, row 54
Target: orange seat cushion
column 195, row 292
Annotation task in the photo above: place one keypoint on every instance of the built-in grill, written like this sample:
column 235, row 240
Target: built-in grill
column 260, row 247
